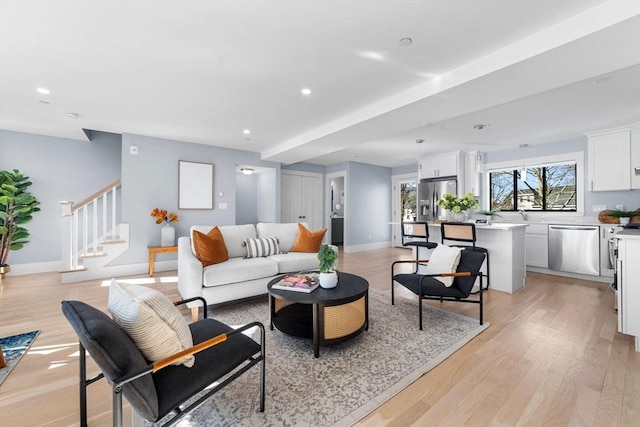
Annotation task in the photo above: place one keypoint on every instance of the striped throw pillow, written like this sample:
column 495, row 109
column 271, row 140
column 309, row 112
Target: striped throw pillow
column 261, row 247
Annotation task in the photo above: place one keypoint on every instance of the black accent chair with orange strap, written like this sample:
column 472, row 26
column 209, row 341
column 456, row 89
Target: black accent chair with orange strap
column 426, row 286
column 157, row 389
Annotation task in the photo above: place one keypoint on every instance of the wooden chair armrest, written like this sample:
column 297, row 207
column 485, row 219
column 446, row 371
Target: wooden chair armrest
column 454, row 274
column 168, row 361
column 201, row 299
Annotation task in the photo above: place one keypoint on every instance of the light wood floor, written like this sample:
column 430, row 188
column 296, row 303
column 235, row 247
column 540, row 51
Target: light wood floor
column 551, row 357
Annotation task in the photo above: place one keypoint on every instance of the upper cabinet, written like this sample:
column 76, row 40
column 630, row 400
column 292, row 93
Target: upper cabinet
column 635, row 159
column 450, row 164
column 611, row 165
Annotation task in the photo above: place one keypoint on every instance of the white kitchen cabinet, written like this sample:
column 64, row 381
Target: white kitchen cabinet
column 629, row 286
column 608, row 154
column 537, row 245
column 450, row 164
column 614, row 156
column 635, row 159
column 473, row 175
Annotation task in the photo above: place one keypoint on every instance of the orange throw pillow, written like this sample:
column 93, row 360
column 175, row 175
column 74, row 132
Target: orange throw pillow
column 308, row 241
column 210, row 247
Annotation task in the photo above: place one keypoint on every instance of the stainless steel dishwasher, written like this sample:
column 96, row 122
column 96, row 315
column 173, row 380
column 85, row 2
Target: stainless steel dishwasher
column 575, row 249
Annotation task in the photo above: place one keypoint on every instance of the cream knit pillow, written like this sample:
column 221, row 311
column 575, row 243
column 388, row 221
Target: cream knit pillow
column 444, row 259
column 151, row 320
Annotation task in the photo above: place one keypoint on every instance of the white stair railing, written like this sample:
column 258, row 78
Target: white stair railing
column 81, row 222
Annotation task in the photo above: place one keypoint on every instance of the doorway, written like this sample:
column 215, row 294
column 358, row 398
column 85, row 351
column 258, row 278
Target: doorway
column 301, row 195
column 404, row 204
column 336, row 202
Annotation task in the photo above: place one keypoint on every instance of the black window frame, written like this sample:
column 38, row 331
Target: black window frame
column 516, row 173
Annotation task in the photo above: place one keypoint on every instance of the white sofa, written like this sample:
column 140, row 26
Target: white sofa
column 239, row 277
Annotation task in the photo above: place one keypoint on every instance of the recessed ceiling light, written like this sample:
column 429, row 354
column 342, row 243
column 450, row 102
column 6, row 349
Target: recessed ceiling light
column 406, row 41
column 306, row 91
column 72, row 115
column 43, row 91
column 481, row 126
column 419, row 141
column 246, row 171
column 246, row 131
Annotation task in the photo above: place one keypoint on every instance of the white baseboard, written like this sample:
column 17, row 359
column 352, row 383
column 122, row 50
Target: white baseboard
column 367, row 247
column 34, row 268
column 104, row 273
column 603, row 279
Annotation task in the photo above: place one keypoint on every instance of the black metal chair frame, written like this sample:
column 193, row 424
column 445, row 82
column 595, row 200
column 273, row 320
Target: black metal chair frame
column 416, row 243
column 154, row 367
column 439, row 298
column 473, row 246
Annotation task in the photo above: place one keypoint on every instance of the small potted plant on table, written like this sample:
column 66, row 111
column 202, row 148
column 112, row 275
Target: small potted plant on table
column 489, row 214
column 328, row 275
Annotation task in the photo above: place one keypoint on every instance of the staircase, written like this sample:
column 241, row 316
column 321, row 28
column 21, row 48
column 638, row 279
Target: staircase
column 91, row 235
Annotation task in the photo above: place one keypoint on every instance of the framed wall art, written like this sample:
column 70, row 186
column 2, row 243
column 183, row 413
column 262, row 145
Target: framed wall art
column 195, row 185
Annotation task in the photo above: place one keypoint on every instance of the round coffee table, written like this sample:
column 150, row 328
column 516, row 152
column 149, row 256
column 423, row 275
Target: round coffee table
column 328, row 316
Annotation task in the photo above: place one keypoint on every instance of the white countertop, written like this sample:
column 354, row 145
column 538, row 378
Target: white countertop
column 629, row 234
column 493, row 226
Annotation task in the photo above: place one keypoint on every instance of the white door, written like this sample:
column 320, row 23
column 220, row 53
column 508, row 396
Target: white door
column 291, row 198
column 302, row 199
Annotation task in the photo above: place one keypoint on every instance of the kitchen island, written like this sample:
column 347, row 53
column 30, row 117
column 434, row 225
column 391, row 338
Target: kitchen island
column 505, row 243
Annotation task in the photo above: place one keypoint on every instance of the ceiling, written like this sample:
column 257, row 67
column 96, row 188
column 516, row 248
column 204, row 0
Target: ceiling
column 204, row 71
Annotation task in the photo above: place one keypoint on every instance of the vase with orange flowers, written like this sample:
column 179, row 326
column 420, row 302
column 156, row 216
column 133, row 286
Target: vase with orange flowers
column 167, row 232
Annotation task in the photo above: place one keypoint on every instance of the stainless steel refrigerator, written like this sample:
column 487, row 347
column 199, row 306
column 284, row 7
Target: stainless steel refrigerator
column 430, row 190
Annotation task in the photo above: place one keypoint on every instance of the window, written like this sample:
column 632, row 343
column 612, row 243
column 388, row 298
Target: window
column 535, row 188
column 408, row 199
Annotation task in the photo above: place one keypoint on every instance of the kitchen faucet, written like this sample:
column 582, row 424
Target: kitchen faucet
column 523, row 213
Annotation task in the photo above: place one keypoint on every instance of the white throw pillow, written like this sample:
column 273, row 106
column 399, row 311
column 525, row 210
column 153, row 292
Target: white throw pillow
column 151, row 320
column 443, row 259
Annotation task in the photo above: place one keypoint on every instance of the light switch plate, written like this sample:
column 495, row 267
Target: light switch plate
column 620, row 207
column 133, row 150
column 222, row 205
column 598, row 208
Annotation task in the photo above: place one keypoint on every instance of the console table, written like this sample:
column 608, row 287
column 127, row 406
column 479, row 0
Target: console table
column 153, row 250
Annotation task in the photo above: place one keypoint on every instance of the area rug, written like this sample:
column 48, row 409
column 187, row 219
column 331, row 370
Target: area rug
column 14, row 347
column 348, row 380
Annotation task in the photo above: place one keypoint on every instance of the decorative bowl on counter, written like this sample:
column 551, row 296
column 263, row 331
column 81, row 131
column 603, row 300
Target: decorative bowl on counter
column 619, row 217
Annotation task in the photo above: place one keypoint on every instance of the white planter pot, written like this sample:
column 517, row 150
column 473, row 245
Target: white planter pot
column 328, row 280
column 168, row 235
column 624, row 220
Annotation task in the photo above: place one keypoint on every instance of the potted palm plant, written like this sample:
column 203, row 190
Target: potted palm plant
column 17, row 206
column 328, row 275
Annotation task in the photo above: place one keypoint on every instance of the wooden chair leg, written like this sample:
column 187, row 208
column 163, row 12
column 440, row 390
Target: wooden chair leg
column 194, row 314
column 3, row 362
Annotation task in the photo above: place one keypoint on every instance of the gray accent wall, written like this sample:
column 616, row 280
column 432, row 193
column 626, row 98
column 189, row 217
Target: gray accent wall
column 150, row 179
column 368, row 204
column 246, row 198
column 60, row 169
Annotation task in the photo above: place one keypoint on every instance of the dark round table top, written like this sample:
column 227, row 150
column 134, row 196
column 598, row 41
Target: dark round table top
column 349, row 286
